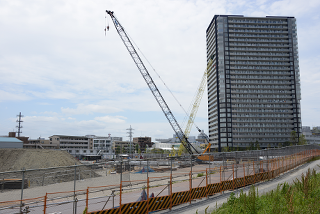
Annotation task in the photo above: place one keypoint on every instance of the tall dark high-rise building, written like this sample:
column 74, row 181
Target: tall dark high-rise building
column 254, row 81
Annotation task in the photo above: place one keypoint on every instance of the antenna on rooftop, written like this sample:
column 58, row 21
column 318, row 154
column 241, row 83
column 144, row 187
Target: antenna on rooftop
column 19, row 126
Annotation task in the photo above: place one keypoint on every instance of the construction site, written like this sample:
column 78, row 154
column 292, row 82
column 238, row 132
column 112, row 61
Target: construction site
column 40, row 181
column 141, row 186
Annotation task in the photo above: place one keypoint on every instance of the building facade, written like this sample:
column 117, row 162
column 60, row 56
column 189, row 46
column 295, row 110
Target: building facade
column 253, row 81
column 10, row 143
column 40, row 143
column 85, row 146
column 311, row 135
column 143, row 142
column 123, row 147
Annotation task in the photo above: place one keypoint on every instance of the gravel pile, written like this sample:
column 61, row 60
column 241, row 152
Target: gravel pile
column 16, row 159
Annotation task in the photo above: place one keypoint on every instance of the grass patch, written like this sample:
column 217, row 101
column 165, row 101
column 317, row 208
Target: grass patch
column 313, row 159
column 200, row 174
column 303, row 196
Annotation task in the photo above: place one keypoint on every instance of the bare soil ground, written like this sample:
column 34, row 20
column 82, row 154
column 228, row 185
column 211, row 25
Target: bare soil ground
column 16, row 159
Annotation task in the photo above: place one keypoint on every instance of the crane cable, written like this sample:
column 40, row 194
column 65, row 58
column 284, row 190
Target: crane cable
column 189, row 109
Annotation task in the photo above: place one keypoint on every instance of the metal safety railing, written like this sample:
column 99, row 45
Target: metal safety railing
column 161, row 190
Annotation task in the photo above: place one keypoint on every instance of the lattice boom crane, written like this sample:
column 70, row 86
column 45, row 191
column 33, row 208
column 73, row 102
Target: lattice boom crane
column 155, row 91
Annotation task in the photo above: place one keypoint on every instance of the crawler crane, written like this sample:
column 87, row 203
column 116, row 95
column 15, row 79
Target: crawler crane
column 155, row 91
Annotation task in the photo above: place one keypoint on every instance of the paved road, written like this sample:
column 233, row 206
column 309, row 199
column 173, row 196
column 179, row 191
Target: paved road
column 200, row 205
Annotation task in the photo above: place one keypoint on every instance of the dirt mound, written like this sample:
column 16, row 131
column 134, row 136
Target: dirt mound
column 16, row 159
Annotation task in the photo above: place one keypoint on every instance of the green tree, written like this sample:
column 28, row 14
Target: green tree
column 226, row 149
column 117, row 150
column 252, row 146
column 137, row 148
column 123, row 150
column 257, row 145
column 293, row 137
column 302, row 140
column 287, row 143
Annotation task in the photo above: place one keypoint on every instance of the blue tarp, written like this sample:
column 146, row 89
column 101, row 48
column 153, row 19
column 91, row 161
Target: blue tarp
column 145, row 169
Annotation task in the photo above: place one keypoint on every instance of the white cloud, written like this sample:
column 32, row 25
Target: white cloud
column 10, row 96
column 109, row 119
column 55, row 54
column 89, row 109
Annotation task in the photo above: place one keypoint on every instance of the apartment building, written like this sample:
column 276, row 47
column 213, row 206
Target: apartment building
column 39, row 143
column 143, row 142
column 254, row 80
column 85, row 146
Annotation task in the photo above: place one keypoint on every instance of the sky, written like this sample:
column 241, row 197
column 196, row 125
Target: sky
column 60, row 70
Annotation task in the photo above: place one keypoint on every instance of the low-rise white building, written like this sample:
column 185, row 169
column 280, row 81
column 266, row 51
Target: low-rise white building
column 10, row 142
column 85, row 147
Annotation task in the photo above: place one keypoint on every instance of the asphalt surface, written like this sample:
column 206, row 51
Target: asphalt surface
column 202, row 205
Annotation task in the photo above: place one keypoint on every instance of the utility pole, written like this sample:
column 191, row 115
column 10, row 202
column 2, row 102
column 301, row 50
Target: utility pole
column 130, row 137
column 19, row 126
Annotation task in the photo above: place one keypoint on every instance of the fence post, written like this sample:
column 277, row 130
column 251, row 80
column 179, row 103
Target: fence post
column 220, row 182
column 171, row 191
column 209, row 168
column 87, row 200
column 120, row 197
column 147, row 168
column 22, row 186
column 74, row 187
column 233, row 176
column 190, row 186
column 268, row 169
column 148, row 194
column 207, row 180
column 191, row 169
column 261, row 175
column 254, row 173
column 45, row 204
column 244, row 175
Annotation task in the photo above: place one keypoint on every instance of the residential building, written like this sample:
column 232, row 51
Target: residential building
column 85, row 146
column 253, row 81
column 143, row 142
column 311, row 135
column 121, row 147
column 72, row 142
column 39, row 143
